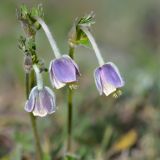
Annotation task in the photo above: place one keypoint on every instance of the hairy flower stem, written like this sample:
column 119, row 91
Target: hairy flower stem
column 94, row 45
column 70, row 107
column 39, row 155
column 38, row 77
column 50, row 37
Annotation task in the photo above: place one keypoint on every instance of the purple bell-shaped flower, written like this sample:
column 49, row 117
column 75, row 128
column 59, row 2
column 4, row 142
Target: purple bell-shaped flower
column 63, row 71
column 41, row 102
column 108, row 78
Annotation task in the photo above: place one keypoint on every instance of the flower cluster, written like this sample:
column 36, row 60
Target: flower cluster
column 63, row 70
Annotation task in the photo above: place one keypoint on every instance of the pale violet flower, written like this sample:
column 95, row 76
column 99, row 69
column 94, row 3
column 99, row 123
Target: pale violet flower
column 108, row 78
column 41, row 102
column 63, row 71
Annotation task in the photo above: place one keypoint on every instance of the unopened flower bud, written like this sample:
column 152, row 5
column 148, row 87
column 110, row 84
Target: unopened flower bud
column 27, row 63
column 37, row 25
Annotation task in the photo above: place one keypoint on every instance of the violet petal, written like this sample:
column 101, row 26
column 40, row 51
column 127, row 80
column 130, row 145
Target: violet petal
column 74, row 63
column 47, row 99
column 98, row 80
column 55, row 83
column 31, row 100
column 39, row 110
column 111, row 75
column 64, row 70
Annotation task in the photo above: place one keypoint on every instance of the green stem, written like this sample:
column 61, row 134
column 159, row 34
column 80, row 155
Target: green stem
column 39, row 154
column 36, row 136
column 71, row 52
column 70, row 107
column 27, row 85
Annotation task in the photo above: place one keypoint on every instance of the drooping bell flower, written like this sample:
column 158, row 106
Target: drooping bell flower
column 108, row 78
column 41, row 102
column 63, row 71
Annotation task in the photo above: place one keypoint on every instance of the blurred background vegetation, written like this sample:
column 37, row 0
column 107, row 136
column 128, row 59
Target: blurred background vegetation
column 127, row 128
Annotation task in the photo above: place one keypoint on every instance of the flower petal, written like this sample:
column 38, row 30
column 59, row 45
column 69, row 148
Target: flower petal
column 110, row 75
column 98, row 80
column 31, row 100
column 55, row 83
column 39, row 110
column 47, row 99
column 64, row 70
column 74, row 63
column 108, row 88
